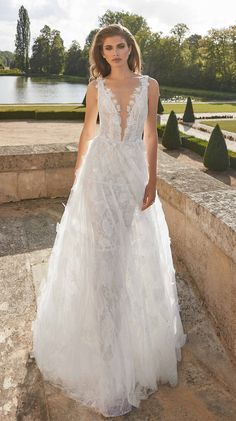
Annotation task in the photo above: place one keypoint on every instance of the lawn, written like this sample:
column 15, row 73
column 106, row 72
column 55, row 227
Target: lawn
column 203, row 107
column 229, row 125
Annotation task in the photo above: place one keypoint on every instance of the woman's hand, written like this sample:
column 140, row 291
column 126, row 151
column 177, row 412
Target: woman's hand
column 149, row 195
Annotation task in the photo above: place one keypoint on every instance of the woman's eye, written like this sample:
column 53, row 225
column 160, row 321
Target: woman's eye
column 110, row 48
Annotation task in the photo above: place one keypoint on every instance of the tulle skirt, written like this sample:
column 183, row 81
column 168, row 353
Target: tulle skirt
column 108, row 328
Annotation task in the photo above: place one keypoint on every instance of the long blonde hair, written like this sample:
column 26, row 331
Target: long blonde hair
column 98, row 65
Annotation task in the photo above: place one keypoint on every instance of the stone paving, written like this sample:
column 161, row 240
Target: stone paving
column 32, row 132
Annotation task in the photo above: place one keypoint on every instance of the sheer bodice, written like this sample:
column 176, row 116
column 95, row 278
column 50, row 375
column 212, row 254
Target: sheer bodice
column 117, row 124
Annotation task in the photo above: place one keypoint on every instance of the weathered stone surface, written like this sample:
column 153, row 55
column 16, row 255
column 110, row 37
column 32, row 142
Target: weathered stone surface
column 31, row 132
column 8, row 187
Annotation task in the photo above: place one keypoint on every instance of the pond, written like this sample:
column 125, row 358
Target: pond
column 28, row 90
column 66, row 90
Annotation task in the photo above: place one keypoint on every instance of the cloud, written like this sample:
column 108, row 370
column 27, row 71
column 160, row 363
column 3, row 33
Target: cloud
column 75, row 19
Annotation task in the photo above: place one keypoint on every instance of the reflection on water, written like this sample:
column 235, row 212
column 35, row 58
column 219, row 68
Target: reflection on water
column 26, row 90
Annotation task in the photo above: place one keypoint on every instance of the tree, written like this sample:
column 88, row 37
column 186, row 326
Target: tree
column 7, row 58
column 171, row 137
column 76, row 62
column 40, row 59
column 192, row 43
column 179, row 31
column 133, row 22
column 48, row 52
column 188, row 116
column 57, row 53
column 22, row 40
column 216, row 156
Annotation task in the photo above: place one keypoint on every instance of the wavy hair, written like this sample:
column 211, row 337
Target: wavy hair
column 98, row 65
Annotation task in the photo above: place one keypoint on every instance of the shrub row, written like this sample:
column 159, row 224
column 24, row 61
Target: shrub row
column 42, row 115
column 196, row 145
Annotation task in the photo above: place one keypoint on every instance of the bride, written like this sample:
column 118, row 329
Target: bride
column 108, row 329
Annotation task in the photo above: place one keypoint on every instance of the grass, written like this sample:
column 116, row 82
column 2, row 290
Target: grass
column 229, row 125
column 218, row 107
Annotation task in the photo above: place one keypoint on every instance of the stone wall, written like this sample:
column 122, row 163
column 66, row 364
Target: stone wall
column 34, row 171
column 201, row 215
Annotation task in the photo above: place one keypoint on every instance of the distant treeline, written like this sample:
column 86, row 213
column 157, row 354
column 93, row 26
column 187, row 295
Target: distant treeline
column 195, row 61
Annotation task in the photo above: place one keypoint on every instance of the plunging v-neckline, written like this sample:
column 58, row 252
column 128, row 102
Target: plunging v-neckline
column 130, row 103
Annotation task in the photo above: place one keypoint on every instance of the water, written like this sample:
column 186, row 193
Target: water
column 43, row 90
column 29, row 90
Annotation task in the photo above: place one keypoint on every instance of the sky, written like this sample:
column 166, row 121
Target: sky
column 76, row 18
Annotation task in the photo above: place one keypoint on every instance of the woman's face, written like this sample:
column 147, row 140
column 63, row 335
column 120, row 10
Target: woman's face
column 116, row 50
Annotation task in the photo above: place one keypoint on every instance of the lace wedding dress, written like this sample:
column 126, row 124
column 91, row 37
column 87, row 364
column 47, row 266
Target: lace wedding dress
column 108, row 327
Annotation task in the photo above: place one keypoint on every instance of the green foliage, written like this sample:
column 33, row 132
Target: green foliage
column 57, row 54
column 48, row 52
column 160, row 108
column 12, row 72
column 22, row 40
column 6, row 58
column 42, row 114
column 199, row 94
column 188, row 116
column 179, row 31
column 171, row 137
column 216, row 154
column 76, row 60
column 133, row 22
column 197, row 145
column 206, row 62
column 84, row 100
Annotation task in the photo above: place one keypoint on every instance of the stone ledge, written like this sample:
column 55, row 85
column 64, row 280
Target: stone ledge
column 34, row 171
column 204, row 199
column 201, row 216
column 32, row 157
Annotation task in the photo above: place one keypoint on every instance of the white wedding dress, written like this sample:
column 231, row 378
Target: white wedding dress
column 108, row 327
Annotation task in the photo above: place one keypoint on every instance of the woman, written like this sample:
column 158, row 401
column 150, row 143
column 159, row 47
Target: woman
column 108, row 328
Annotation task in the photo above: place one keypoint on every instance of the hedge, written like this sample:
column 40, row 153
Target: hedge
column 197, row 145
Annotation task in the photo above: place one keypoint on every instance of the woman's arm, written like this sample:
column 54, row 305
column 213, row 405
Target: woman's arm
column 151, row 142
column 89, row 127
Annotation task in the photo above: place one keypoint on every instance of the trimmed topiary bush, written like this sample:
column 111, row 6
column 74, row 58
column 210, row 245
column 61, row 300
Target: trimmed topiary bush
column 216, row 154
column 160, row 108
column 188, row 116
column 171, row 137
column 84, row 100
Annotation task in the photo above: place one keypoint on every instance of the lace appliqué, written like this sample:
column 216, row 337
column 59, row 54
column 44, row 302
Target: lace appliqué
column 129, row 108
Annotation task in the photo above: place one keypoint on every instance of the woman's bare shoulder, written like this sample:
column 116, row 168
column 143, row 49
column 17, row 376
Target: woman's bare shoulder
column 92, row 89
column 153, row 83
column 92, row 84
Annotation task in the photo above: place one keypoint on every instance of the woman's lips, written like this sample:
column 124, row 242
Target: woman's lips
column 116, row 59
